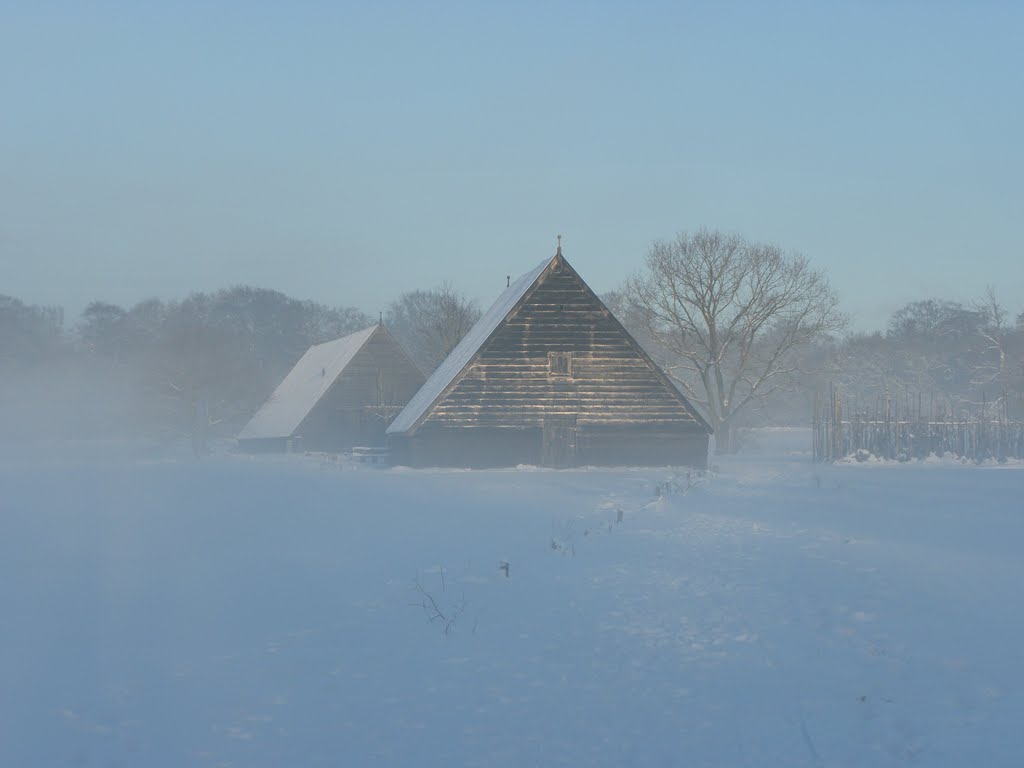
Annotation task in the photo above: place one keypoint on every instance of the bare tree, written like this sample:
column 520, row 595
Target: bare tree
column 950, row 359
column 29, row 333
column 726, row 314
column 872, row 370
column 996, row 358
column 101, row 329
column 430, row 323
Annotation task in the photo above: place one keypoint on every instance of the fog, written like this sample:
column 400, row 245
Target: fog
column 169, row 601
column 796, row 226
column 140, row 374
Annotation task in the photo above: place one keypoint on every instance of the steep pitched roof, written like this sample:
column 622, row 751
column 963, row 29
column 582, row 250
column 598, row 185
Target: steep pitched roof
column 305, row 384
column 451, row 371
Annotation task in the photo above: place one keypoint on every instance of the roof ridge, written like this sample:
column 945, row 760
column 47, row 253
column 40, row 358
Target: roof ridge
column 452, row 368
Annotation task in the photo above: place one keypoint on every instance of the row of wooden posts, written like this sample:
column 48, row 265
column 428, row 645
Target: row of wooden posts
column 902, row 429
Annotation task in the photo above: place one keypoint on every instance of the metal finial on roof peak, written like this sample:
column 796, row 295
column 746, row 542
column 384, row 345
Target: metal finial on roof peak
column 558, row 251
column 380, row 318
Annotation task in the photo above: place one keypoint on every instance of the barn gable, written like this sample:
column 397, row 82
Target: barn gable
column 460, row 358
column 331, row 390
column 550, row 352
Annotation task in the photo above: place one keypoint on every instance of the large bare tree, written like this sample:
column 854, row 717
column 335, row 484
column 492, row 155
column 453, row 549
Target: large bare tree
column 725, row 316
column 429, row 324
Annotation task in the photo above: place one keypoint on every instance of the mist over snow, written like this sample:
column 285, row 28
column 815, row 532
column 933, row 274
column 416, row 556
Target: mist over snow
column 794, row 227
column 291, row 611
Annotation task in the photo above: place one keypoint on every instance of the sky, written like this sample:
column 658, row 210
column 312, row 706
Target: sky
column 347, row 153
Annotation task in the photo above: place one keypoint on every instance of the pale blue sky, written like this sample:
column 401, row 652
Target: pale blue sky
column 347, row 153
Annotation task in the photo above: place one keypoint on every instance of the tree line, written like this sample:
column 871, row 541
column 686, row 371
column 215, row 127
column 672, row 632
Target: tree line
column 752, row 333
column 192, row 368
column 748, row 331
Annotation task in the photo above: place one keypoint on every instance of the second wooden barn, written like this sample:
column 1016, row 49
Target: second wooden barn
column 549, row 376
column 340, row 394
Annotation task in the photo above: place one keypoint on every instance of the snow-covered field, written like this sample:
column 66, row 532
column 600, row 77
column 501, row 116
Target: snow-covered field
column 285, row 612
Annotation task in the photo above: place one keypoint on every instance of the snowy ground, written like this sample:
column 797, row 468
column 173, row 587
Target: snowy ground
column 265, row 612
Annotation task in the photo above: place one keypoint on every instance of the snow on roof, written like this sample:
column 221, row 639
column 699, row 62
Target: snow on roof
column 466, row 349
column 303, row 387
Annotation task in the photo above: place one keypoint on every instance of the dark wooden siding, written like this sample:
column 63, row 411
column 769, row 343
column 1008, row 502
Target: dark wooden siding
column 472, row 447
column 641, row 446
column 377, row 383
column 611, row 384
column 600, row 446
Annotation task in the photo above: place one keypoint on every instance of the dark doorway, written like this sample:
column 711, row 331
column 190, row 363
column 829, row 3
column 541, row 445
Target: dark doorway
column 558, row 449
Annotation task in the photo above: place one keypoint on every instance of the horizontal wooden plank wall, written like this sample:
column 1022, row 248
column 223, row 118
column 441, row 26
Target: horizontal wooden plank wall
column 509, row 384
column 638, row 445
column 477, row 447
column 380, row 374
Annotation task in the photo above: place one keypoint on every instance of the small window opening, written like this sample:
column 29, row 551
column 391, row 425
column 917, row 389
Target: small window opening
column 560, row 363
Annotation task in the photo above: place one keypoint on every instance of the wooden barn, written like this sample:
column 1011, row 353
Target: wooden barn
column 549, row 377
column 340, row 394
